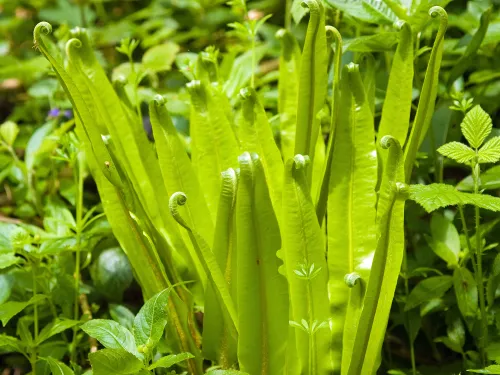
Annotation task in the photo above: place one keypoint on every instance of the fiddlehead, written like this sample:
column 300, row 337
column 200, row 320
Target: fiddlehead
column 351, row 279
column 176, row 200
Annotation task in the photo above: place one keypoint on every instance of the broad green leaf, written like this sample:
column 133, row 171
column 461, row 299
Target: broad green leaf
column 493, row 281
column 9, row 131
column 490, row 152
column 466, row 291
column 306, row 269
column 207, row 258
column 111, row 335
column 150, row 321
column 256, row 136
column 9, row 259
column 372, row 43
column 288, row 86
column 57, row 367
column 11, row 344
column 476, row 126
column 170, row 360
column 492, row 370
column 261, row 289
column 56, row 327
column 214, row 146
column 428, row 94
column 396, row 110
column 114, row 361
column 455, row 329
column 122, row 315
column 160, row 57
column 468, row 57
column 434, row 196
column 386, row 264
column 176, row 168
column 312, row 83
column 10, row 309
column 351, row 207
column 432, row 287
column 445, row 241
column 366, row 10
column 219, row 338
column 457, row 151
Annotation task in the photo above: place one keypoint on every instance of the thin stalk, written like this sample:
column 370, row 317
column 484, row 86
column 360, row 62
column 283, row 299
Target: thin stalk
column 136, row 88
column 288, row 15
column 79, row 216
column 83, row 19
column 254, row 58
column 35, row 321
column 312, row 349
column 482, row 305
column 407, row 292
column 467, row 239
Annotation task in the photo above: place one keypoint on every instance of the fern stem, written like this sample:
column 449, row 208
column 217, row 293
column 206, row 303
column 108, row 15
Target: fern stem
column 407, row 316
column 288, row 15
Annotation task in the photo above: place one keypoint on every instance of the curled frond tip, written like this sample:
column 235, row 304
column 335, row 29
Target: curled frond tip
column 41, row 27
column 387, row 141
column 159, row 100
column 351, row 279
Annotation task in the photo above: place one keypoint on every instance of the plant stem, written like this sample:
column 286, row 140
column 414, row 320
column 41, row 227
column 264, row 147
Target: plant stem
column 467, row 239
column 483, row 341
column 288, row 15
column 35, row 322
column 254, row 58
column 407, row 317
column 79, row 206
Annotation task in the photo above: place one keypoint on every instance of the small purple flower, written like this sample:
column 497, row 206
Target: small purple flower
column 68, row 114
column 54, row 112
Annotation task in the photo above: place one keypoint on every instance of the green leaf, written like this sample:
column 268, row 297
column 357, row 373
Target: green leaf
column 161, row 57
column 56, row 327
column 432, row 287
column 114, row 361
column 10, row 309
column 428, row 94
column 8, row 132
column 386, row 264
column 11, row 344
column 366, row 10
column 468, row 57
column 214, row 148
column 457, row 151
column 490, row 152
column 57, row 367
column 312, row 84
column 9, row 259
column 445, row 240
column 476, row 126
column 306, row 268
column 466, row 291
column 111, row 335
column 351, row 207
column 226, row 372
column 261, row 290
column 493, row 369
column 122, row 315
column 288, row 86
column 434, row 196
column 398, row 99
column 372, row 43
column 493, row 281
column 170, row 360
column 150, row 321
column 219, row 337
column 256, row 136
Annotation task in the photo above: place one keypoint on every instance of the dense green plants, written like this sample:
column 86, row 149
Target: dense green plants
column 268, row 236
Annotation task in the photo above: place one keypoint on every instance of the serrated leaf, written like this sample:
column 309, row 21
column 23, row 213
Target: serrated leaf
column 457, row 151
column 490, row 152
column 114, row 361
column 111, row 335
column 466, row 291
column 170, row 360
column 434, row 196
column 476, row 126
column 151, row 320
column 432, row 287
